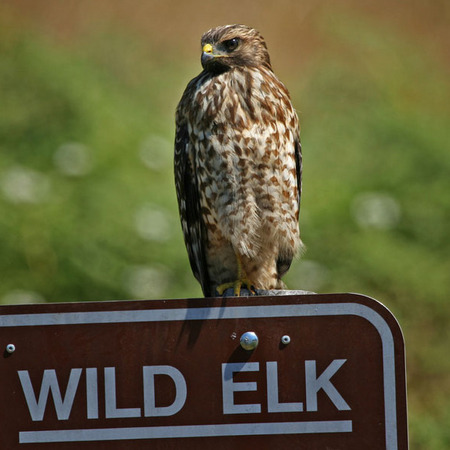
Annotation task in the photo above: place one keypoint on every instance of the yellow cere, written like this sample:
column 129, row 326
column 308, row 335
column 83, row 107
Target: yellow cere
column 208, row 48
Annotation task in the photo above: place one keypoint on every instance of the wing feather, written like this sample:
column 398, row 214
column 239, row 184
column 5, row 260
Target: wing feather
column 188, row 195
column 284, row 259
column 298, row 164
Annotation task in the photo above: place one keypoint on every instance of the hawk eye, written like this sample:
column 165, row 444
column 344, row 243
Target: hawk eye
column 231, row 44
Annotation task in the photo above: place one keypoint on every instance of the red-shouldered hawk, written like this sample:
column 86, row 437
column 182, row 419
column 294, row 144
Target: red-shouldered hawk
column 238, row 166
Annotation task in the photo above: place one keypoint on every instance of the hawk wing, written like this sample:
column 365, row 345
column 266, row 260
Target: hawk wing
column 189, row 206
column 298, row 164
column 284, row 260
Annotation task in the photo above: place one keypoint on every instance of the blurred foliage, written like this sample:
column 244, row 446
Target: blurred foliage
column 88, row 201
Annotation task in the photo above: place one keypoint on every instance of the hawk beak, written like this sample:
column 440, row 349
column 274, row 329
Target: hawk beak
column 207, row 54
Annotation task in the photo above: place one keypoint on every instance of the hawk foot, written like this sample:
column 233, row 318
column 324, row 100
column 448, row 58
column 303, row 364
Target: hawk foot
column 237, row 286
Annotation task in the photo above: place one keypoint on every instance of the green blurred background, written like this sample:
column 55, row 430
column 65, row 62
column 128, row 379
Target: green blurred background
column 88, row 91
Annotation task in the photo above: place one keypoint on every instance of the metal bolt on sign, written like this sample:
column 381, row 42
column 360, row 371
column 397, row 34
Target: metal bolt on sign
column 10, row 348
column 249, row 340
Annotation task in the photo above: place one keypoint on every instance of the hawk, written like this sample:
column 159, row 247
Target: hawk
column 238, row 166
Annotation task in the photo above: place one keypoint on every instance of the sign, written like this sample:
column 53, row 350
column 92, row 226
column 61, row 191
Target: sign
column 328, row 371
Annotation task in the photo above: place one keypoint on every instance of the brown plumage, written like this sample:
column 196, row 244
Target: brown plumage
column 238, row 165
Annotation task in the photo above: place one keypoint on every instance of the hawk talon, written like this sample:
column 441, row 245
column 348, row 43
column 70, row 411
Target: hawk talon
column 246, row 283
column 223, row 287
column 242, row 280
column 237, row 286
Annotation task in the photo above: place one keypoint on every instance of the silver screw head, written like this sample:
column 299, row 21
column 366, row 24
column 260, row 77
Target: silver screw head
column 10, row 348
column 285, row 339
column 249, row 340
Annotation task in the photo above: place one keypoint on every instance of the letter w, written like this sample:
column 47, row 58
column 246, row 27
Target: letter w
column 49, row 383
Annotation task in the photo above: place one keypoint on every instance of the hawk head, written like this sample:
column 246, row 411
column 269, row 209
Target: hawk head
column 230, row 46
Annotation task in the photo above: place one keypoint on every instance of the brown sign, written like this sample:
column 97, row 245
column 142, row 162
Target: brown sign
column 328, row 372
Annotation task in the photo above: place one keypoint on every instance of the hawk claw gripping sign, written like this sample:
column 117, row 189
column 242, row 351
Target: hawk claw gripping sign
column 326, row 371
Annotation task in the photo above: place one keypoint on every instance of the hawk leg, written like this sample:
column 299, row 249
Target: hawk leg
column 237, row 285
